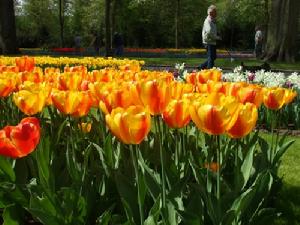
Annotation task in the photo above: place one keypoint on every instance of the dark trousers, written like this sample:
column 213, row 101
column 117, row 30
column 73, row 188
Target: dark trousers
column 211, row 57
column 258, row 50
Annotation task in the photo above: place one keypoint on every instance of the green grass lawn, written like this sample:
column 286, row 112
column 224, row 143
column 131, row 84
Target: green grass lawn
column 225, row 63
column 288, row 201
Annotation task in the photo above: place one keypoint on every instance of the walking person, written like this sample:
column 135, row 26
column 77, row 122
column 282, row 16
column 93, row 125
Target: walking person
column 258, row 42
column 118, row 44
column 210, row 37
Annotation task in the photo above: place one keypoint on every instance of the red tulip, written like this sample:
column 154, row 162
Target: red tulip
column 19, row 141
column 25, row 63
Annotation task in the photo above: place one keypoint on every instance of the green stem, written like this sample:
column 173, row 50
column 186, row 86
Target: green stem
column 277, row 133
column 134, row 153
column 158, row 130
column 176, row 148
column 236, row 166
column 273, row 124
column 218, row 171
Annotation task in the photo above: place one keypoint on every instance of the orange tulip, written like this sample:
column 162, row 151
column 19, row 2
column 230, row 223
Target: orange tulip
column 274, row 98
column 155, row 94
column 19, row 141
column 30, row 102
column 178, row 89
column 219, row 87
column 7, row 85
column 75, row 103
column 252, row 94
column 101, row 75
column 213, row 166
column 25, row 63
column 80, row 70
column 116, row 98
column 191, row 78
column 289, row 95
column 129, row 125
column 33, row 76
column 232, row 88
column 14, row 69
column 205, row 75
column 214, row 113
column 245, row 121
column 85, row 127
column 177, row 113
column 69, row 81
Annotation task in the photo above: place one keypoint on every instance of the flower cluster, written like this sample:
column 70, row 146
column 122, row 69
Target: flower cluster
column 265, row 78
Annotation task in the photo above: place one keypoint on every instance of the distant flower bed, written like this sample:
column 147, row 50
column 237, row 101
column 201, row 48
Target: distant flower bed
column 67, row 49
column 90, row 62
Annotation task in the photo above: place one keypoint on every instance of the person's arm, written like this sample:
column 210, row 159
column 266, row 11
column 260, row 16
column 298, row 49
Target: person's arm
column 209, row 32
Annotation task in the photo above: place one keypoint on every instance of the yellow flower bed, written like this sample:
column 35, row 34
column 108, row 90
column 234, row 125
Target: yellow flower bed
column 65, row 61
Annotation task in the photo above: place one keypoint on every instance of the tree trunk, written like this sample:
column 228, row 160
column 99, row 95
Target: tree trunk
column 107, row 28
column 112, row 21
column 61, row 21
column 282, row 32
column 176, row 22
column 266, row 22
column 8, row 39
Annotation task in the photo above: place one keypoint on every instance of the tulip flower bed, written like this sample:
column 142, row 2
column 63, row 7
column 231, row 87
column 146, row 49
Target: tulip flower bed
column 272, row 79
column 125, row 146
column 27, row 63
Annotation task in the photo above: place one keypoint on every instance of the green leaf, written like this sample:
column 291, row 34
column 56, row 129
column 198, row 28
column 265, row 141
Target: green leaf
column 6, row 169
column 105, row 218
column 13, row 215
column 229, row 217
column 170, row 214
column 42, row 209
column 72, row 166
column 281, row 150
column 154, row 213
column 193, row 214
column 42, row 156
column 108, row 151
column 242, row 202
column 264, row 216
column 152, row 179
column 128, row 193
column 102, row 158
column 129, row 213
column 247, row 166
column 60, row 129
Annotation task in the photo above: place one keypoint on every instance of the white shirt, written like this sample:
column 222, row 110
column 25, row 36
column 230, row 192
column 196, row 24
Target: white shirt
column 258, row 36
column 209, row 31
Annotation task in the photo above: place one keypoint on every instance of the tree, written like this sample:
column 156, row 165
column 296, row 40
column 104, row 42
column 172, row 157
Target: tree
column 61, row 20
column 282, row 30
column 8, row 39
column 107, row 27
column 177, row 10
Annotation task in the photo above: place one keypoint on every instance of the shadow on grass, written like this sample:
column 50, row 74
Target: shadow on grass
column 288, row 203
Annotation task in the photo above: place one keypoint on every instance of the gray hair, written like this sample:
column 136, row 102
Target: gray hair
column 211, row 8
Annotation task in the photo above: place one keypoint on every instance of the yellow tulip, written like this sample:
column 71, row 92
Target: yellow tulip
column 177, row 115
column 129, row 125
column 75, row 103
column 289, row 95
column 252, row 94
column 214, row 113
column 274, row 98
column 30, row 102
column 155, row 94
column 245, row 122
column 7, row 85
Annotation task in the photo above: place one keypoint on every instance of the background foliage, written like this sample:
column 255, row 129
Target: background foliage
column 142, row 23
